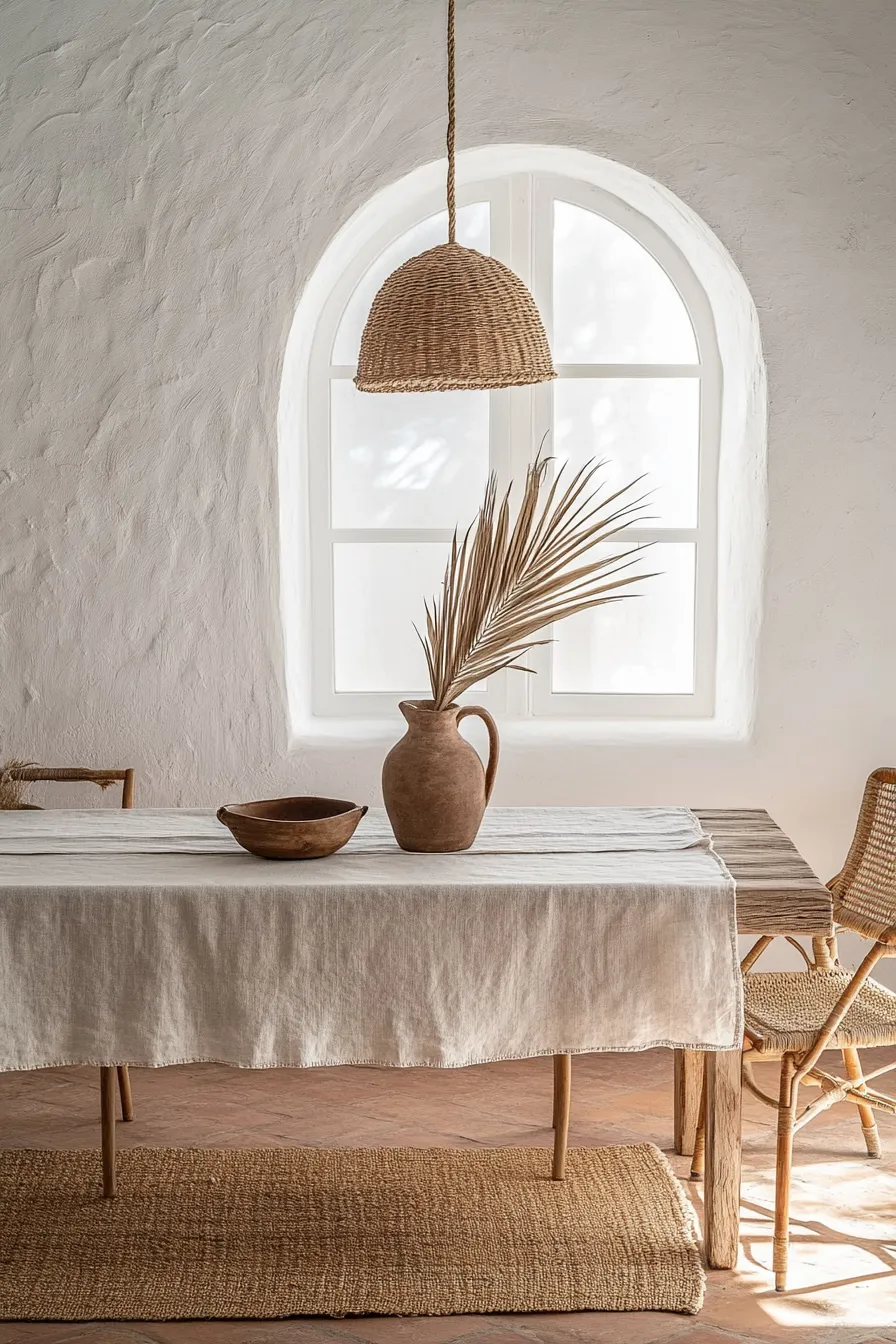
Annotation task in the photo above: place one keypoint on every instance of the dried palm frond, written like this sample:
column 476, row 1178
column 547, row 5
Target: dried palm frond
column 506, row 581
column 12, row 787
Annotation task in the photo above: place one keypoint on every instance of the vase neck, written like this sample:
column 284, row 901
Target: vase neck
column 422, row 717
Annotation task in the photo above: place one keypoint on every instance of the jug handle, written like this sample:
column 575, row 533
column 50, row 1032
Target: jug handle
column 494, row 744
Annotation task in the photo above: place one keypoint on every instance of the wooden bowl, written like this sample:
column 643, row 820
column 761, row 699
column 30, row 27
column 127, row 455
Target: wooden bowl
column 292, row 828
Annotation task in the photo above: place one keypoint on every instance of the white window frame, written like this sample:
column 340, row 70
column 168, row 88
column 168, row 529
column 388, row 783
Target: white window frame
column 518, row 420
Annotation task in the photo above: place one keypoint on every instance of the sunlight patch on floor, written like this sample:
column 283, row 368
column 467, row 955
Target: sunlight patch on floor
column 841, row 1273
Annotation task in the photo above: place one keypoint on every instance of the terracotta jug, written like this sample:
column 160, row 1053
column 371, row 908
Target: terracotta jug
column 435, row 786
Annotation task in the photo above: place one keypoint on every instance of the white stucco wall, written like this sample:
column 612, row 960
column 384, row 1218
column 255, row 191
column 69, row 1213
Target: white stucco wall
column 171, row 176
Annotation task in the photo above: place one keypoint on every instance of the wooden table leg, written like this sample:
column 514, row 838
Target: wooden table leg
column 562, row 1096
column 686, row 1098
column 721, row 1232
column 107, row 1120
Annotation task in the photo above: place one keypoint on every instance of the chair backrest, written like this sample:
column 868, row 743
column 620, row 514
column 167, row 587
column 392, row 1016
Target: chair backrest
column 865, row 889
column 76, row 774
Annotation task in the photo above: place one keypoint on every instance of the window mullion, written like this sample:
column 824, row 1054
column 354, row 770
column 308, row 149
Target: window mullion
column 629, row 370
column 500, row 427
column 523, row 444
column 643, row 536
column 519, row 404
column 373, row 535
column 540, row 278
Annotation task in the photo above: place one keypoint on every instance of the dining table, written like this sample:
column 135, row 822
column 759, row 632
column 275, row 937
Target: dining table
column 56, row 907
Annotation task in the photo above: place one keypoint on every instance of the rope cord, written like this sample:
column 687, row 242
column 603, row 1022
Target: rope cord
column 452, row 203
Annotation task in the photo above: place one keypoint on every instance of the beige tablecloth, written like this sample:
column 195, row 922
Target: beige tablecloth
column 562, row 930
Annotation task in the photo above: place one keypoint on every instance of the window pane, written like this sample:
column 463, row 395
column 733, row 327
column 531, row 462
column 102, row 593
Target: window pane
column 641, row 645
column 613, row 303
column 472, row 231
column 639, row 426
column 378, row 593
column 414, row 459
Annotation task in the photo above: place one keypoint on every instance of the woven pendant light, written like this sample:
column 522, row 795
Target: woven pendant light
column 452, row 317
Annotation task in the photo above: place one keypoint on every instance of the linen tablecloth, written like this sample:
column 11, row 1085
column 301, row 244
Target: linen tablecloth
column 562, row 930
column 513, row 830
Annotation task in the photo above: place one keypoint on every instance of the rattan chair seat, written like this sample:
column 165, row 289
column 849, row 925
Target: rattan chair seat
column 785, row 1010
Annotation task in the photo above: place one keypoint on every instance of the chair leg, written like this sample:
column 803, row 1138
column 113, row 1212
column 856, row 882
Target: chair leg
column 562, row 1094
column 853, row 1066
column 124, row 1090
column 107, row 1122
column 698, row 1157
column 783, row 1168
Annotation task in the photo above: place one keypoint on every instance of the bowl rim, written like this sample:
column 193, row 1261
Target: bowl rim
column 343, row 809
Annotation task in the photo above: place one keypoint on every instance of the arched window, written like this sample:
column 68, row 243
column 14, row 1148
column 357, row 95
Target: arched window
column 634, row 338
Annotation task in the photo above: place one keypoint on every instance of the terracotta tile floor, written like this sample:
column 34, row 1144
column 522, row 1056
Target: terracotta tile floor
column 844, row 1257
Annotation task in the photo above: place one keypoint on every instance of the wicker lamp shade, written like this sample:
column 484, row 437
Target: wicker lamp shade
column 452, row 318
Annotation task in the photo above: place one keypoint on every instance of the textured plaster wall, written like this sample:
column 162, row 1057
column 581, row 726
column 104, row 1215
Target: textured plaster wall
column 170, row 177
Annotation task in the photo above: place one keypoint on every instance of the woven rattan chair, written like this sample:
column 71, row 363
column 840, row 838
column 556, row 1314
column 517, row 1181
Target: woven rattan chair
column 793, row 1016
column 103, row 779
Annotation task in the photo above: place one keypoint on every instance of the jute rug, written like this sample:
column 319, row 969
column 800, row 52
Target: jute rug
column 330, row 1232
